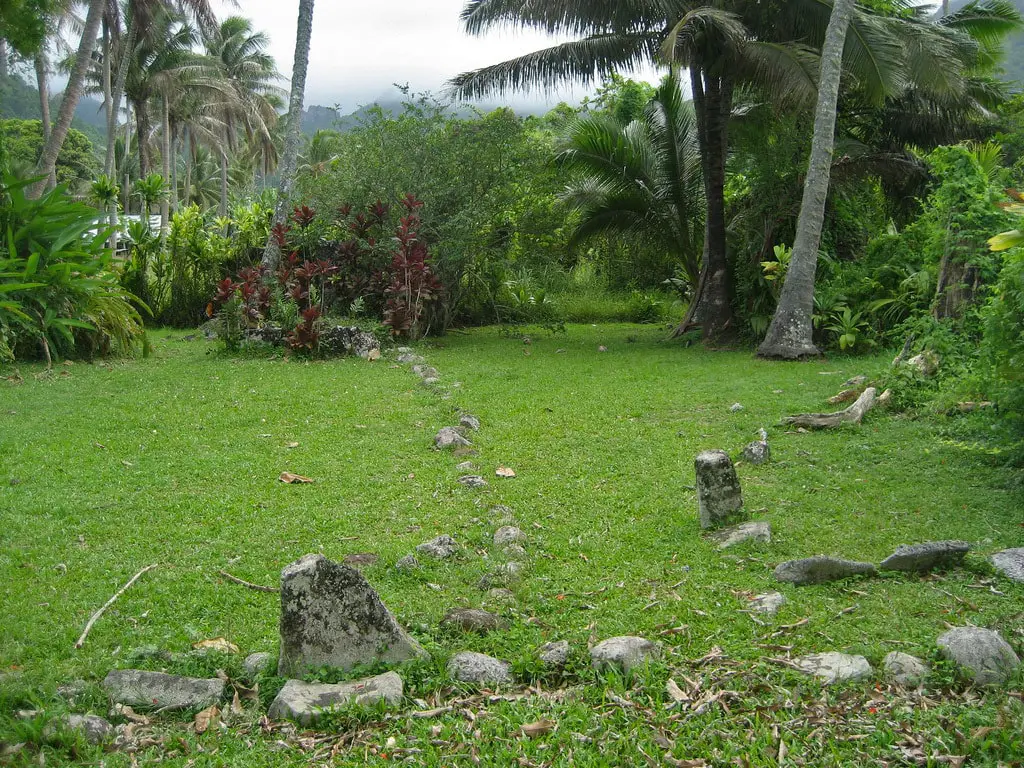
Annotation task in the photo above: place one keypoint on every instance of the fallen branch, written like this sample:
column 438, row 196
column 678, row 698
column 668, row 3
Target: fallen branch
column 249, row 584
column 851, row 415
column 92, row 620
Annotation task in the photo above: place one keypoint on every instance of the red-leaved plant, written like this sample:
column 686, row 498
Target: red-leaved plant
column 413, row 285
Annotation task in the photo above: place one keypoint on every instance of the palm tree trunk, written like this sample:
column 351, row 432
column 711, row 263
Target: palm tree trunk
column 126, row 187
column 223, row 182
column 174, row 171
column 165, row 151
column 73, row 92
column 116, row 95
column 791, row 330
column 711, row 306
column 286, row 168
column 187, row 191
column 43, row 84
column 142, row 136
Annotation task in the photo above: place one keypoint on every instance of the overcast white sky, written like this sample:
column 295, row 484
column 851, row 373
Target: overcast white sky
column 360, row 49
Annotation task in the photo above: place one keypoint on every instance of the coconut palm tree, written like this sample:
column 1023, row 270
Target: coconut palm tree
column 289, row 158
column 251, row 76
column 789, row 334
column 971, row 43
column 72, row 93
column 642, row 179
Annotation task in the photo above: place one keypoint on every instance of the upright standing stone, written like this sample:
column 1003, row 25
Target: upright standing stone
column 331, row 617
column 718, row 489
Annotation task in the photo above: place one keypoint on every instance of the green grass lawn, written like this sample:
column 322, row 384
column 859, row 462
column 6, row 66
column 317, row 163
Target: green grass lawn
column 174, row 460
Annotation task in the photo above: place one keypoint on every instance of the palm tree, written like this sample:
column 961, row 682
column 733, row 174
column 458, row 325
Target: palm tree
column 253, row 94
column 643, row 179
column 271, row 253
column 789, row 334
column 971, row 40
column 72, row 93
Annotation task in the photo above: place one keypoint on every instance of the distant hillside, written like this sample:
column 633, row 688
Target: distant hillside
column 315, row 118
column 20, row 100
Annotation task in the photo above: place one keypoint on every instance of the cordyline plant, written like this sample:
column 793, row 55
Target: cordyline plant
column 413, row 285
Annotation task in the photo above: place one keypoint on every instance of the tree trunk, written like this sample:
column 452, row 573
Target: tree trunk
column 165, row 152
column 126, row 188
column 711, row 307
column 4, row 64
column 174, row 171
column 223, row 183
column 187, row 191
column 73, row 92
column 286, row 168
column 142, row 136
column 116, row 95
column 43, row 84
column 790, row 333
column 42, row 65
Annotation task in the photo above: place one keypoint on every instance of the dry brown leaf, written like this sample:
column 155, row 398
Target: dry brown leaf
column 291, row 478
column 206, row 719
column 505, row 472
column 675, row 692
column 130, row 714
column 292, row 444
column 374, row 354
column 247, row 694
column 539, row 728
column 236, row 704
column 696, row 763
column 432, row 712
column 216, row 644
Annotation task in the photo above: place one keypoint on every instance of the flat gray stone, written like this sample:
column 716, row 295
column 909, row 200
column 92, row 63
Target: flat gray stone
column 409, row 357
column 919, row 558
column 408, row 563
column 470, row 667
column 554, row 655
column 983, row 655
column 93, row 728
column 425, row 371
column 624, row 653
column 155, row 690
column 441, row 547
column 331, row 617
column 361, row 559
column 430, row 381
column 466, row 466
column 72, row 690
column 719, row 499
column 502, row 595
column 834, row 667
column 904, row 669
column 256, row 664
column 757, row 452
column 1010, row 563
column 308, row 702
column 469, row 421
column 508, row 534
column 472, row 620
column 768, row 603
column 820, row 569
column 736, row 407
column 514, row 550
column 754, row 530
column 450, row 437
column 473, row 481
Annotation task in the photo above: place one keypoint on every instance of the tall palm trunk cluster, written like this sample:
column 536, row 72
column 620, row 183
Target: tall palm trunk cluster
column 177, row 86
column 779, row 51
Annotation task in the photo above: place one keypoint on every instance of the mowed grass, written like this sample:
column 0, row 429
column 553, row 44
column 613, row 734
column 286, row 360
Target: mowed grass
column 174, row 460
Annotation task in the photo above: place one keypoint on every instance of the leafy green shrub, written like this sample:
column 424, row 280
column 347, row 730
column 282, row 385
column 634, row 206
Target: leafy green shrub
column 1003, row 346
column 645, row 308
column 58, row 291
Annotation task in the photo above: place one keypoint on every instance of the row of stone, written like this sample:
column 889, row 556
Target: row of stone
column 981, row 654
column 912, row 558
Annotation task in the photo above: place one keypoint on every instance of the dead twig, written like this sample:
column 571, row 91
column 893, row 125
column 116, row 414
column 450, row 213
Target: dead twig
column 851, row 415
column 92, row 620
column 249, row 584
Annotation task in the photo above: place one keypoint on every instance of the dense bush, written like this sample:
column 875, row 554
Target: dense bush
column 59, row 294
column 1004, row 346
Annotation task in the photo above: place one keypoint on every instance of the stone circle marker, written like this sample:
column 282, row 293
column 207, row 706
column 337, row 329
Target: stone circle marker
column 719, row 498
column 1010, row 563
column 984, row 656
column 308, row 702
column 919, row 558
column 820, row 569
column 331, row 617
